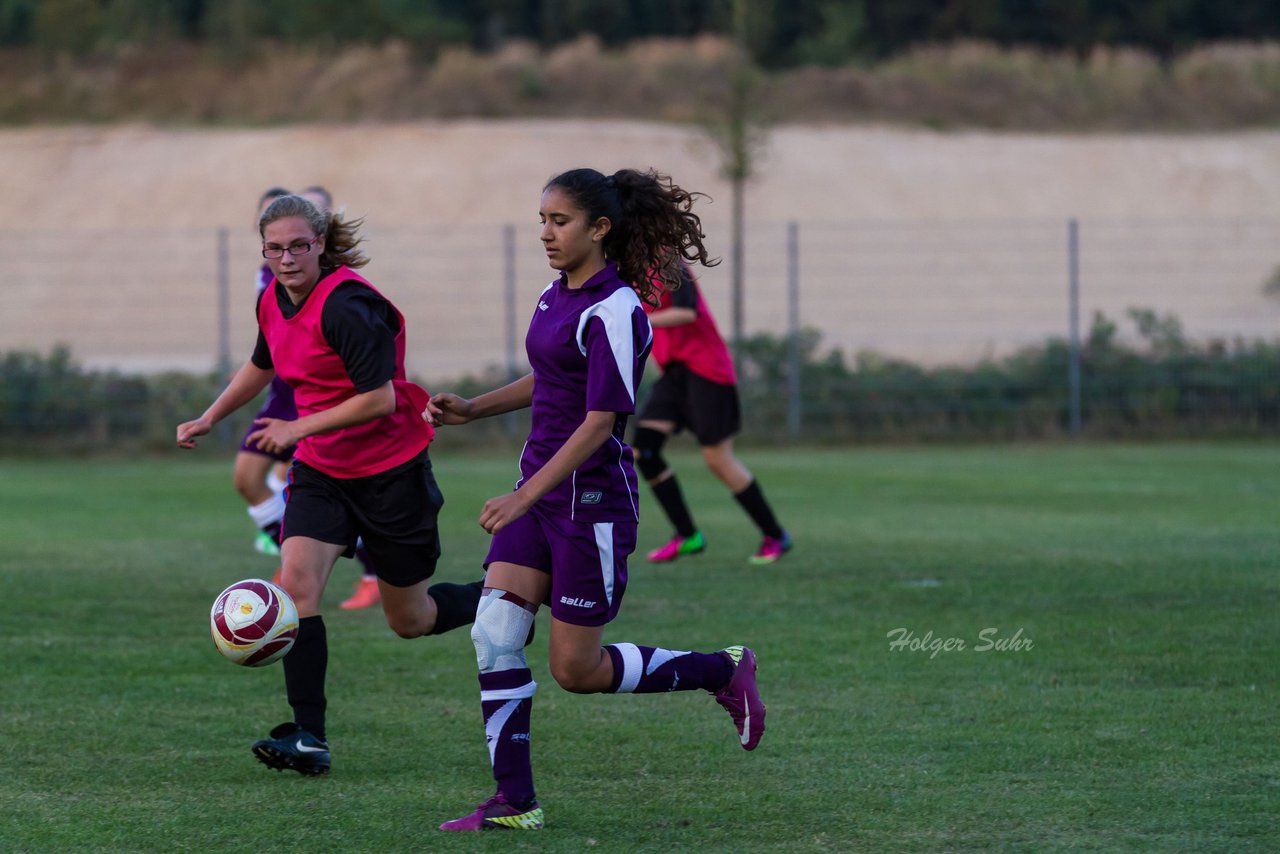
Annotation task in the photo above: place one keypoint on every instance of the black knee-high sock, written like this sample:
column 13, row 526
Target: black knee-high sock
column 752, row 500
column 672, row 500
column 304, row 670
column 272, row 530
column 455, row 604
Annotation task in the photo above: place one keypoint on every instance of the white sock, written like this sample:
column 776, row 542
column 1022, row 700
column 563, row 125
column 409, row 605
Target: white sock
column 274, row 482
column 271, row 510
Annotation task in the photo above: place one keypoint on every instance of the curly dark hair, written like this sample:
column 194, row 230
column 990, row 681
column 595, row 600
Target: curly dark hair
column 653, row 226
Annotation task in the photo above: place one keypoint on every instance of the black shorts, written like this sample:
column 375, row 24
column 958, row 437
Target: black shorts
column 709, row 409
column 394, row 511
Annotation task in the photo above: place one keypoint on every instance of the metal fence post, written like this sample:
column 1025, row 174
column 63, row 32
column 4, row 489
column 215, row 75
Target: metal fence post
column 736, row 274
column 223, row 357
column 793, row 329
column 509, row 311
column 224, row 301
column 1073, row 276
column 509, row 295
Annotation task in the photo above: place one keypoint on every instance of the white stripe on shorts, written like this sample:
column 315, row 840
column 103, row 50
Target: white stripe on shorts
column 604, row 548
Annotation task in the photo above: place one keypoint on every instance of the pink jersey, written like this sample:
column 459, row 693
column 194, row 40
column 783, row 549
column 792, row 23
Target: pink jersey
column 304, row 359
column 698, row 345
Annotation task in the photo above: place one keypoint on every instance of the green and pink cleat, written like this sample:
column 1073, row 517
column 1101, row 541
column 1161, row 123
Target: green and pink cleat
column 678, row 547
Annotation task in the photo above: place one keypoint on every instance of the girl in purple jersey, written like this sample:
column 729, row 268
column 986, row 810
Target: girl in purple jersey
column 257, row 473
column 563, row 535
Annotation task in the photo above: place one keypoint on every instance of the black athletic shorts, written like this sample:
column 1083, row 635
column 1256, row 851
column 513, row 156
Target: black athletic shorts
column 394, row 511
column 709, row 409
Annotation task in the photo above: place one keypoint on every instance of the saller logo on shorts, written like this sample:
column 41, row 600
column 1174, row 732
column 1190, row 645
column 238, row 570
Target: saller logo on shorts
column 592, row 497
column 577, row 603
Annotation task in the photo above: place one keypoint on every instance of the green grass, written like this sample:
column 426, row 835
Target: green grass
column 1142, row 717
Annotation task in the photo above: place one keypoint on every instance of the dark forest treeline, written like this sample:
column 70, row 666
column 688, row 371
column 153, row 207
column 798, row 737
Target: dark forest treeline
column 780, row 33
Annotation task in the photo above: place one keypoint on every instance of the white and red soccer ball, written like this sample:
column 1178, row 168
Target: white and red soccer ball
column 254, row 622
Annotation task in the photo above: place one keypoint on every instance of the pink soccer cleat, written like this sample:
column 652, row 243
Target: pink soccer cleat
column 771, row 549
column 741, row 699
column 678, row 547
column 365, row 595
column 497, row 814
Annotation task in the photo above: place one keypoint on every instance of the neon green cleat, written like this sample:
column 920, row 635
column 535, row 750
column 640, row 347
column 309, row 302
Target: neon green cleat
column 678, row 547
column 265, row 544
column 497, row 814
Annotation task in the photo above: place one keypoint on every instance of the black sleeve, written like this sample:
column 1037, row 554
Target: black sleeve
column 685, row 296
column 261, row 357
column 361, row 327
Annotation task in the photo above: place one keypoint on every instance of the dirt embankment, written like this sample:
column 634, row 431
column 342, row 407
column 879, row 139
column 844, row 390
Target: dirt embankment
column 438, row 193
column 489, row 172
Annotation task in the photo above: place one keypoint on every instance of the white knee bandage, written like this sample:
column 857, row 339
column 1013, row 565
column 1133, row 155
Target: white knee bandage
column 499, row 633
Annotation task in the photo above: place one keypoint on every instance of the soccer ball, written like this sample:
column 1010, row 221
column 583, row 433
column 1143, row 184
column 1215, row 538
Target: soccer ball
column 254, row 622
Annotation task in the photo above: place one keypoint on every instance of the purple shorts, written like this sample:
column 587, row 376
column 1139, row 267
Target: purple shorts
column 279, row 405
column 587, row 562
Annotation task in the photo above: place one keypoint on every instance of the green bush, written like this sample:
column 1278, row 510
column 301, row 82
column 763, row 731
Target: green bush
column 51, row 402
column 1162, row 385
column 1159, row 385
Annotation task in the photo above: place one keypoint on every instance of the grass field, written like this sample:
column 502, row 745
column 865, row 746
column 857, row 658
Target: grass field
column 1135, row 708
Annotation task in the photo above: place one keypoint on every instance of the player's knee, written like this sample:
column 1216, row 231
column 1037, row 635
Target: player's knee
column 722, row 463
column 647, row 445
column 405, row 625
column 499, row 632
column 303, row 588
column 249, row 488
column 573, row 677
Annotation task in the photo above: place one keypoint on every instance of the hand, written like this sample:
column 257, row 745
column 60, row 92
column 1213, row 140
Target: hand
column 188, row 431
column 447, row 408
column 499, row 512
column 273, row 435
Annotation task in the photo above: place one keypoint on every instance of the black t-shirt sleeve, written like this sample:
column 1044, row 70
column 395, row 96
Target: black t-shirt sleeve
column 361, row 327
column 261, row 357
column 686, row 296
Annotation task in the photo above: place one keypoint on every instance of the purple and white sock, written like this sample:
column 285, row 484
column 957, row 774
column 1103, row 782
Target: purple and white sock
column 652, row 670
column 506, row 700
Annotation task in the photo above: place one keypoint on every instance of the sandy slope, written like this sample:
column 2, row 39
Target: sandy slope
column 930, row 245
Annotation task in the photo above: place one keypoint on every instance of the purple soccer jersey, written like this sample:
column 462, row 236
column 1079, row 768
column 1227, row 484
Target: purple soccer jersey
column 587, row 348
column 264, row 278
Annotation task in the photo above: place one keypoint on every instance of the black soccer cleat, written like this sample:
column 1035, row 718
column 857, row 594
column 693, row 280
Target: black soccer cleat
column 292, row 747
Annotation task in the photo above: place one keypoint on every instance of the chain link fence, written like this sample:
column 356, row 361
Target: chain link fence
column 931, row 293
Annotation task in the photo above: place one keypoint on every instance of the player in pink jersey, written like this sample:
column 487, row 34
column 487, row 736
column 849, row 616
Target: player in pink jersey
column 563, row 535
column 260, row 475
column 366, row 592
column 698, row 390
column 360, row 469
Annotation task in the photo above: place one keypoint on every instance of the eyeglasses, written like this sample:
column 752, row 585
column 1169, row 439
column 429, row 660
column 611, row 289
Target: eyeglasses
column 294, row 249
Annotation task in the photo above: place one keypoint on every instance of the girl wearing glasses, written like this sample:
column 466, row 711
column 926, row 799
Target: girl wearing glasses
column 563, row 535
column 361, row 467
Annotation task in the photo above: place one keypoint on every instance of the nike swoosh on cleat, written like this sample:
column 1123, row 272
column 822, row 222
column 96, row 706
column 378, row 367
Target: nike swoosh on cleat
column 745, row 735
column 304, row 749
